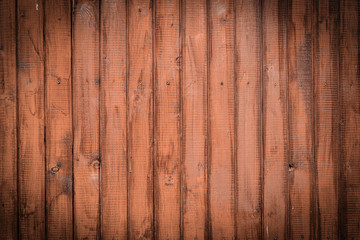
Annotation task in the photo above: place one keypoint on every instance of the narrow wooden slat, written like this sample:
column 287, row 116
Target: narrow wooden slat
column 326, row 70
column 8, row 140
column 248, row 124
column 275, row 131
column 221, row 119
column 31, row 149
column 350, row 119
column 300, row 112
column 113, row 143
column 58, row 105
column 194, row 115
column 86, row 119
column 140, row 119
column 167, row 119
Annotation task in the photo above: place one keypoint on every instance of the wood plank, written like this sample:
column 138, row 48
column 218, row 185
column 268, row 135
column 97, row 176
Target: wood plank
column 140, row 119
column 194, row 115
column 248, row 120
column 167, row 119
column 86, row 79
column 326, row 93
column 8, row 133
column 275, row 130
column 113, row 143
column 349, row 119
column 31, row 149
column 58, row 112
column 300, row 112
column 221, row 120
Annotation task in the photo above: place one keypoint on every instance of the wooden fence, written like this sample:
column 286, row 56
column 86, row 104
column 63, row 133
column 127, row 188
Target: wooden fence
column 180, row 119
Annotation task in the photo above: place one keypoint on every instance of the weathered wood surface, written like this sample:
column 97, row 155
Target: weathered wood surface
column 8, row 122
column 140, row 119
column 300, row 120
column 326, row 116
column 113, row 108
column 167, row 119
column 349, row 121
column 248, row 119
column 58, row 120
column 275, row 120
column 86, row 119
column 194, row 117
column 180, row 119
column 30, row 119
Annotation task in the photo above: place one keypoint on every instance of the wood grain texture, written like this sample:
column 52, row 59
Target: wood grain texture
column 326, row 93
column 179, row 119
column 194, row 116
column 275, row 130
column 86, row 124
column 58, row 113
column 248, row 120
column 349, row 119
column 31, row 148
column 8, row 132
column 140, row 119
column 167, row 119
column 113, row 105
column 221, row 120
column 300, row 112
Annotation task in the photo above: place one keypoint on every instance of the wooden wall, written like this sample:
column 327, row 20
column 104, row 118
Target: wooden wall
column 180, row 119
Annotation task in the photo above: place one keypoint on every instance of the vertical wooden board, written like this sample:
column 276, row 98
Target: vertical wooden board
column 248, row 120
column 31, row 149
column 300, row 112
column 275, row 131
column 326, row 93
column 349, row 119
column 140, row 119
column 58, row 105
column 221, row 120
column 113, row 142
column 167, row 119
column 86, row 119
column 194, row 132
column 8, row 140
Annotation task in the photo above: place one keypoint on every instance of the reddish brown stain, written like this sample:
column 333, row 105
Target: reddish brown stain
column 157, row 119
